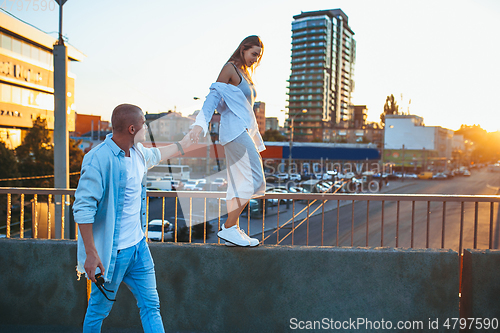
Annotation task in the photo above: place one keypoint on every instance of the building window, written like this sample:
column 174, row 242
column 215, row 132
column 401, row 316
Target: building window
column 6, row 42
column 6, row 93
column 16, row 95
column 26, row 50
column 35, row 53
column 16, row 46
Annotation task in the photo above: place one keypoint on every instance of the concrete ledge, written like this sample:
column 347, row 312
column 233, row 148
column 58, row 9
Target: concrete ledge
column 38, row 283
column 480, row 284
column 211, row 288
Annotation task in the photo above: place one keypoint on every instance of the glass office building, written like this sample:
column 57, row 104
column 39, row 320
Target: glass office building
column 322, row 70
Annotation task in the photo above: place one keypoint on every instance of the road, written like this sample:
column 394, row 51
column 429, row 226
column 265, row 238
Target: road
column 481, row 182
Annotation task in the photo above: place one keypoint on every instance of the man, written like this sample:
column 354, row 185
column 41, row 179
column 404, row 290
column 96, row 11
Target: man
column 110, row 211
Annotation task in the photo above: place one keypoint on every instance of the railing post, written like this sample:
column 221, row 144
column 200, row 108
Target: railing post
column 62, row 213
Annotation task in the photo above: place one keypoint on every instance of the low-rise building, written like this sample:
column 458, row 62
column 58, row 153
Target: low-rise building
column 272, row 123
column 259, row 108
column 409, row 143
column 27, row 79
column 168, row 126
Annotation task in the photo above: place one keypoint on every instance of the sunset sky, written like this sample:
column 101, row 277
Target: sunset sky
column 444, row 55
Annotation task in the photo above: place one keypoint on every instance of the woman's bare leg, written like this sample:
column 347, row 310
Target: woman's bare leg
column 234, row 208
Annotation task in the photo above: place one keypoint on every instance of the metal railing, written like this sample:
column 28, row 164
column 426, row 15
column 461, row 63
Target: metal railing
column 328, row 219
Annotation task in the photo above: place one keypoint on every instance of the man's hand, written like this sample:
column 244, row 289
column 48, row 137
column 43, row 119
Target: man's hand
column 186, row 141
column 91, row 263
column 194, row 134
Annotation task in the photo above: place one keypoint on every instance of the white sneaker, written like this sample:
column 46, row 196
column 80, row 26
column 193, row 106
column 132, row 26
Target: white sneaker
column 235, row 236
column 253, row 241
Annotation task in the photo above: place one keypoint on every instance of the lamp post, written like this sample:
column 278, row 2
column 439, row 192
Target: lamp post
column 292, row 118
column 61, row 135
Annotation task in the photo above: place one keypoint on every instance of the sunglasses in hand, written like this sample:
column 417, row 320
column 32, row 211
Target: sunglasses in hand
column 100, row 284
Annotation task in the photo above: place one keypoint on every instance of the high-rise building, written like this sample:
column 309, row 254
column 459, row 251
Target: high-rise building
column 321, row 80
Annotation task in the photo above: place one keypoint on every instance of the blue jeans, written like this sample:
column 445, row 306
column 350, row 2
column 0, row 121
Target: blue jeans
column 134, row 266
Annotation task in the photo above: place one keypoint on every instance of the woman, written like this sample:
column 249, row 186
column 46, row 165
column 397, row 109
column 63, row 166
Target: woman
column 233, row 96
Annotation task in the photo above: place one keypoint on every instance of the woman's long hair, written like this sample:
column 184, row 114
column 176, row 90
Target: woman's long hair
column 237, row 57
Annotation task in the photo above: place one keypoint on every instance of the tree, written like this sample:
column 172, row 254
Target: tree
column 8, row 167
column 36, row 155
column 273, row 135
column 484, row 145
column 75, row 161
column 390, row 107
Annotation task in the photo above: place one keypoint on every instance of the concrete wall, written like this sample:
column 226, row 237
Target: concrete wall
column 211, row 288
column 38, row 283
column 481, row 285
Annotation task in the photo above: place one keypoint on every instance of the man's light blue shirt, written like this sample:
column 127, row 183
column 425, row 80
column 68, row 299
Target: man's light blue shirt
column 100, row 195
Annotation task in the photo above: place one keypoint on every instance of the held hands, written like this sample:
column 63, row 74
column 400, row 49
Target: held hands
column 194, row 134
column 191, row 138
column 186, row 141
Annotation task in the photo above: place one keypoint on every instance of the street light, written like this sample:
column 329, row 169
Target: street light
column 292, row 118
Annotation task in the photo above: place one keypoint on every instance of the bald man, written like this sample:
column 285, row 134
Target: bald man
column 110, row 209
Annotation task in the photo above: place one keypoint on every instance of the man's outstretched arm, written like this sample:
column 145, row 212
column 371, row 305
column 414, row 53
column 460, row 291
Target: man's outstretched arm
column 171, row 150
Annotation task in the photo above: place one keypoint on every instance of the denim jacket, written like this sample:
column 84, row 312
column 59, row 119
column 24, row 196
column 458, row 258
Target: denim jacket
column 100, row 195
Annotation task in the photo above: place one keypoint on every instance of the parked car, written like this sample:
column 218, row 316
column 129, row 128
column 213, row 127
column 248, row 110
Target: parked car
column 298, row 189
column 329, row 185
column 282, row 176
column 439, row 175
column 177, row 185
column 466, row 173
column 450, row 174
column 219, row 182
column 274, row 202
column 410, row 175
column 311, row 186
column 154, row 230
column 295, row 177
column 322, row 187
column 191, row 184
column 201, row 187
column 330, row 175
